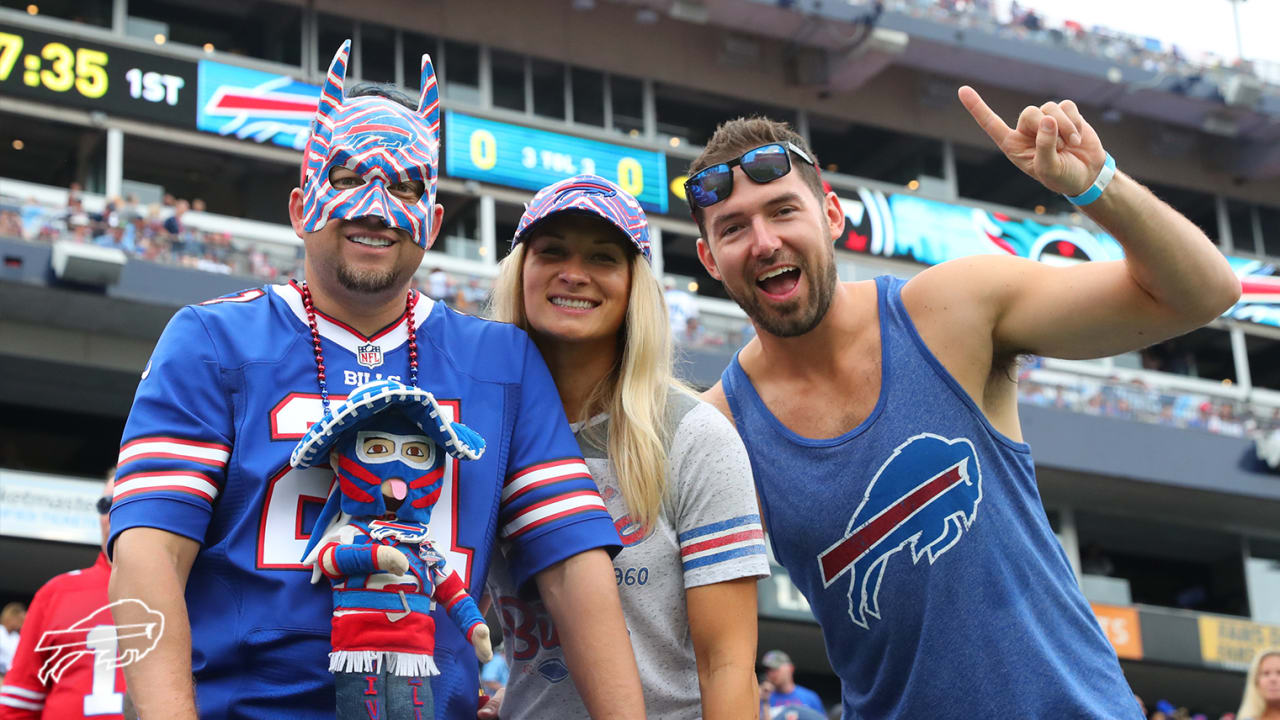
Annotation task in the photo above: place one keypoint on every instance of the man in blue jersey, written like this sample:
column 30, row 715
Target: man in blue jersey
column 209, row 521
column 881, row 417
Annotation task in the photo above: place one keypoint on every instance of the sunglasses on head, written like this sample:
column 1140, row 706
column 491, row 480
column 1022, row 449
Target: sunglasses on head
column 764, row 164
column 104, row 505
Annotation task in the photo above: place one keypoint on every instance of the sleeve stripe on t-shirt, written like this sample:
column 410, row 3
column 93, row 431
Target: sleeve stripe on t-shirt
column 711, row 557
column 542, row 476
column 192, row 483
column 174, row 449
column 720, row 541
column 736, row 524
column 561, row 506
column 5, row 699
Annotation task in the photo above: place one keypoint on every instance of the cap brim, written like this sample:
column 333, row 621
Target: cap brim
column 365, row 402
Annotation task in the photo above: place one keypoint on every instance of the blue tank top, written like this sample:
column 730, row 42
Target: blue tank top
column 920, row 542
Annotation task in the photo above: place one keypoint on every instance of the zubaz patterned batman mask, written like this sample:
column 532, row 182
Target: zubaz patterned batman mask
column 381, row 141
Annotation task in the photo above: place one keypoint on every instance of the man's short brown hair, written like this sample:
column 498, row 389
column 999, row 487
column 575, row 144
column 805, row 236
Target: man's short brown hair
column 735, row 137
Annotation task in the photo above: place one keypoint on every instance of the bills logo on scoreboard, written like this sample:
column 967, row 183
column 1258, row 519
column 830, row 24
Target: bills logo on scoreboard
column 369, row 355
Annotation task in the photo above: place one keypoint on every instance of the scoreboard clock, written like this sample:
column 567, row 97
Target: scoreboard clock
column 529, row 158
column 89, row 75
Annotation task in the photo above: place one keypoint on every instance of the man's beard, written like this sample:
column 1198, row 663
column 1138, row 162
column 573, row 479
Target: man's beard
column 367, row 281
column 796, row 317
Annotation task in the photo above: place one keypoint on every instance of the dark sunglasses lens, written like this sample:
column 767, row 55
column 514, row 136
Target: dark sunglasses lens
column 104, row 505
column 711, row 185
column 766, row 164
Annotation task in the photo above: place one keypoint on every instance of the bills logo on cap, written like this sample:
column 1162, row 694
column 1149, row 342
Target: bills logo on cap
column 369, row 355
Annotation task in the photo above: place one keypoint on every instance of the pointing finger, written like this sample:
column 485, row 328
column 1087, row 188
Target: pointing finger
column 991, row 124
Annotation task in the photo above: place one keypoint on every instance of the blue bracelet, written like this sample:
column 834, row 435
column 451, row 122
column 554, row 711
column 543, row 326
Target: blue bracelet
column 1099, row 184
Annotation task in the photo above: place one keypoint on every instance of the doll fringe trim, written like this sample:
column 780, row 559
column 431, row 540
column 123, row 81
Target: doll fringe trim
column 397, row 663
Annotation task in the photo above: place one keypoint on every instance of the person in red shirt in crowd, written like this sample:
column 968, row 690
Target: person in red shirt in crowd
column 49, row 683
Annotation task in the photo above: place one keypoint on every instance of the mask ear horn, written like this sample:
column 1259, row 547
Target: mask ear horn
column 331, row 99
column 429, row 103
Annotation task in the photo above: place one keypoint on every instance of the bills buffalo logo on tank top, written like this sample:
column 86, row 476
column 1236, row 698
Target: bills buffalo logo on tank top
column 924, row 496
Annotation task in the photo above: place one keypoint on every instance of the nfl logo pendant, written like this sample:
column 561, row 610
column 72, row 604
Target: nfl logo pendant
column 369, row 355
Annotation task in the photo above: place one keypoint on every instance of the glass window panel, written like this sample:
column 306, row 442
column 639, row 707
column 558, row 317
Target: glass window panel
column 986, row 175
column 461, row 72
column 548, row 88
column 460, row 228
column 1269, row 219
column 506, row 219
column 1240, row 216
column 263, row 30
column 332, row 31
column 588, row 96
column 692, row 115
column 628, row 104
column 378, row 54
column 89, row 12
column 414, row 46
column 1200, row 208
column 871, row 152
column 508, row 79
column 1264, row 361
column 1203, row 353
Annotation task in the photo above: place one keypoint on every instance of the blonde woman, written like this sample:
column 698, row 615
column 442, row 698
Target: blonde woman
column 671, row 469
column 1262, row 687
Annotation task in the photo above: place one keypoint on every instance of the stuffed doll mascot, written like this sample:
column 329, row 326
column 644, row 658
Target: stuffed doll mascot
column 386, row 444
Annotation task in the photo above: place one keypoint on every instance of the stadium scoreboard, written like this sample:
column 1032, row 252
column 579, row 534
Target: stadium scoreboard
column 90, row 75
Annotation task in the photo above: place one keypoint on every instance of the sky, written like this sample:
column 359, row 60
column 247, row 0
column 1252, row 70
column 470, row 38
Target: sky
column 1192, row 25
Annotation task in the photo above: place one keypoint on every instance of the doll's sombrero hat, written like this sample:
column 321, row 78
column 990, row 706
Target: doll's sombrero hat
column 365, row 402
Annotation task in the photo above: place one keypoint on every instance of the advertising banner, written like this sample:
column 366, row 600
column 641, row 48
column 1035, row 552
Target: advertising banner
column 254, row 105
column 47, row 507
column 1232, row 643
column 1122, row 629
column 898, row 225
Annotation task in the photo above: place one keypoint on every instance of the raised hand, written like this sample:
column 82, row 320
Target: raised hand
column 1052, row 143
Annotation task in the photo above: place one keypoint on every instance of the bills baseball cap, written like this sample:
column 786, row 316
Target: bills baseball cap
column 588, row 195
column 775, row 659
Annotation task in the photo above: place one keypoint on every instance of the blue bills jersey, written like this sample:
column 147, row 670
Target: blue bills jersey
column 229, row 390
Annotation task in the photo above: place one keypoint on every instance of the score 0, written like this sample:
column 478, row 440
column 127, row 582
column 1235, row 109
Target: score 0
column 153, row 86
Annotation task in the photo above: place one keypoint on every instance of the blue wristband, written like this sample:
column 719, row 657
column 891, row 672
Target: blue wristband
column 1099, row 184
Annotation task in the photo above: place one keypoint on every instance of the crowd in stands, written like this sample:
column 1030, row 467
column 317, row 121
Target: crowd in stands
column 158, row 233
column 154, row 232
column 1018, row 20
column 1136, row 400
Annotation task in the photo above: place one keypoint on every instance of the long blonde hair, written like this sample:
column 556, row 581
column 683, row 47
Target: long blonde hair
column 1252, row 705
column 635, row 391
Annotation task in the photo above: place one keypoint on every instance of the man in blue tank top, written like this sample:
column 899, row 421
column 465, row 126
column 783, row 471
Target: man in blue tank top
column 881, row 417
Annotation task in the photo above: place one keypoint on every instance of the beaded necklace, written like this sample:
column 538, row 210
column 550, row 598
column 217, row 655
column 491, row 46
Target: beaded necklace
column 410, row 301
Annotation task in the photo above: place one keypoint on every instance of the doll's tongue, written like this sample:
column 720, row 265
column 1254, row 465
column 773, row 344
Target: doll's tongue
column 398, row 488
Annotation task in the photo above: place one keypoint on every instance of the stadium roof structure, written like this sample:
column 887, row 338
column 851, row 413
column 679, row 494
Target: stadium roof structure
column 838, row 46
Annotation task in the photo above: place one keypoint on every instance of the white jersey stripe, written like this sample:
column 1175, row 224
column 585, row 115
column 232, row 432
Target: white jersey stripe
column 21, row 704
column 533, row 515
column 21, row 692
column 548, row 474
column 194, row 452
column 131, row 485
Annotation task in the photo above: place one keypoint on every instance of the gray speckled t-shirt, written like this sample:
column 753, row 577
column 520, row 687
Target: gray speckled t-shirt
column 709, row 532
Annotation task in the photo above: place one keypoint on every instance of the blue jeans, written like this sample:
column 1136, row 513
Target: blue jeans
column 383, row 696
